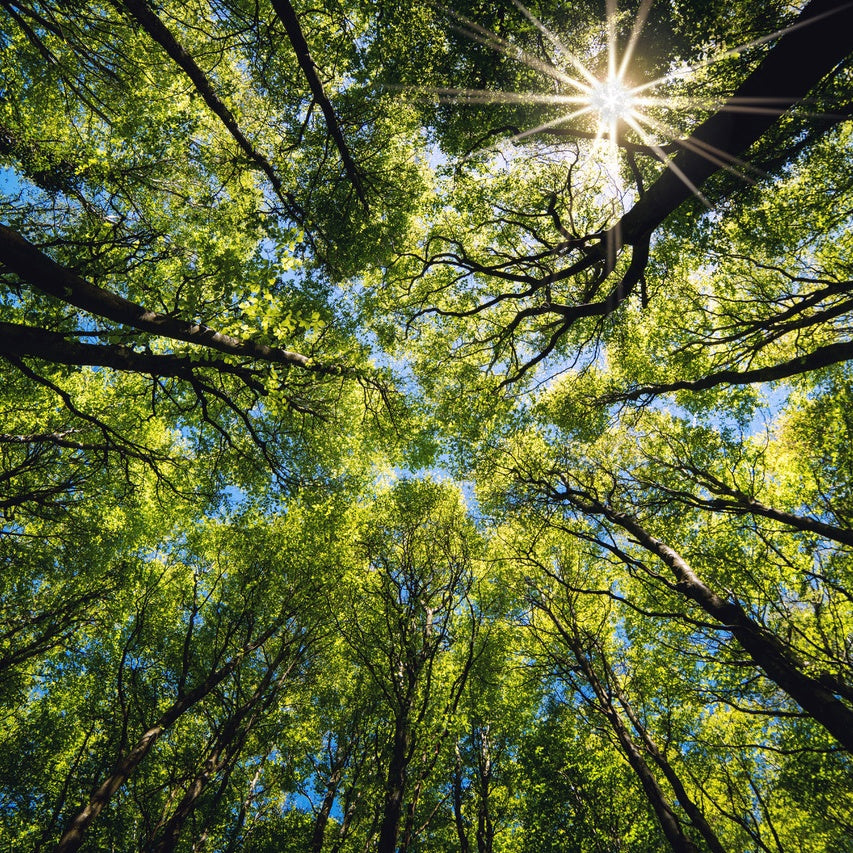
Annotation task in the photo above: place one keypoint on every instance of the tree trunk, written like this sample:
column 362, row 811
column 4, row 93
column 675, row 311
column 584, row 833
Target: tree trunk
column 47, row 276
column 822, row 33
column 17, row 341
column 319, row 833
column 461, row 834
column 171, row 831
column 670, row 824
column 485, row 828
column 697, row 818
column 226, row 749
column 765, row 649
column 820, row 357
column 287, row 15
column 395, row 787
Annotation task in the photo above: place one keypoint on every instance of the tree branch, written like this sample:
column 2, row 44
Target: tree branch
column 30, row 342
column 157, row 30
column 287, row 16
column 44, row 274
column 767, row 652
column 821, row 32
column 821, row 357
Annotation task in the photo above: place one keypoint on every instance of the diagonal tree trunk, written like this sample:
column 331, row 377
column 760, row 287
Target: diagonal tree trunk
column 766, row 651
column 821, row 33
column 226, row 749
column 287, row 15
column 20, row 341
column 44, row 274
column 667, row 818
column 318, row 834
column 157, row 30
column 697, row 818
column 73, row 836
column 821, row 357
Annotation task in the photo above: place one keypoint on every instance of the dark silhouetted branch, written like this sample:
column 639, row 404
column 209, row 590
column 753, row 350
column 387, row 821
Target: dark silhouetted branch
column 287, row 15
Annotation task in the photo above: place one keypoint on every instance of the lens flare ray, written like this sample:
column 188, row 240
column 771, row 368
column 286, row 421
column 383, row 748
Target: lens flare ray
column 480, row 34
column 563, row 51
column 714, row 155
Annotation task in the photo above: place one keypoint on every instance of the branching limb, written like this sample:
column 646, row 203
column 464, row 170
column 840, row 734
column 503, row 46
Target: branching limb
column 30, row 342
column 821, row 357
column 287, row 15
column 157, row 30
column 767, row 651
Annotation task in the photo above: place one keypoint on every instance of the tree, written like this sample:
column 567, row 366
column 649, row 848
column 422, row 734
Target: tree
column 545, row 265
column 412, row 631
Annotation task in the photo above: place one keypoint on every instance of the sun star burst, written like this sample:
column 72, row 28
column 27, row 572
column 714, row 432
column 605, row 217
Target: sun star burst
column 612, row 100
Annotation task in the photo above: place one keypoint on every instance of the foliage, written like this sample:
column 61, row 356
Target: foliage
column 401, row 450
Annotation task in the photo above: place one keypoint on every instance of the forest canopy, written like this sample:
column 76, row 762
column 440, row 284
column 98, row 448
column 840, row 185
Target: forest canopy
column 426, row 427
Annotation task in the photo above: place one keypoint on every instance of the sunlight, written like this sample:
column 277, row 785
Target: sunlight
column 648, row 114
column 612, row 100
